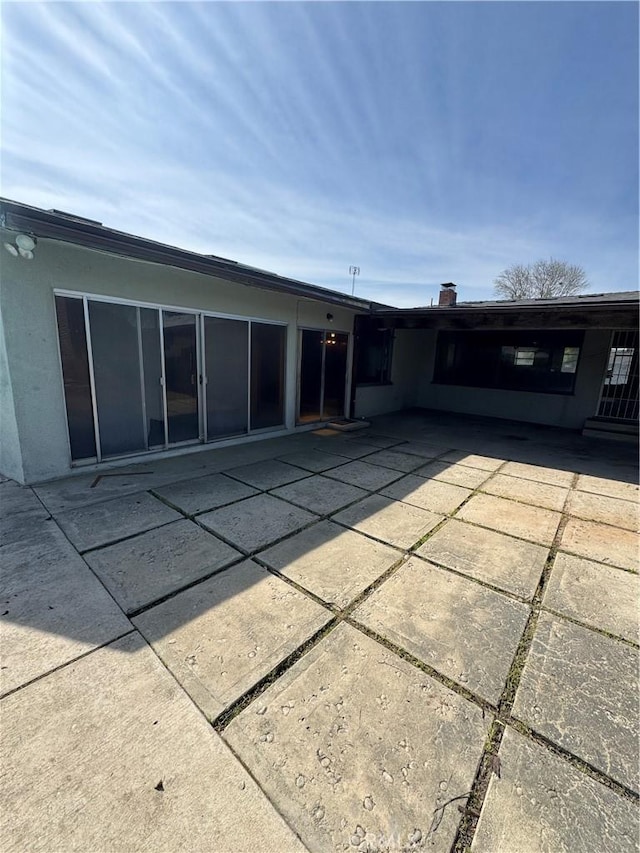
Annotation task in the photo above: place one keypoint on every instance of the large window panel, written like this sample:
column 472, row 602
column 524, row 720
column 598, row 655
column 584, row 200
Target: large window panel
column 519, row 360
column 75, row 372
column 227, row 370
column 150, row 345
column 118, row 378
column 268, row 343
column 181, row 375
column 374, row 348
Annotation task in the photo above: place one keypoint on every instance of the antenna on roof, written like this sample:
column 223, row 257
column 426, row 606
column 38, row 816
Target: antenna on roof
column 354, row 271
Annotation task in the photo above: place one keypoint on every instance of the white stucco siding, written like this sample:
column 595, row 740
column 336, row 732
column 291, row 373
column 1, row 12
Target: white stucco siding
column 10, row 457
column 33, row 376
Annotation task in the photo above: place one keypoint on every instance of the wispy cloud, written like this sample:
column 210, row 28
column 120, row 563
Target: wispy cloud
column 423, row 142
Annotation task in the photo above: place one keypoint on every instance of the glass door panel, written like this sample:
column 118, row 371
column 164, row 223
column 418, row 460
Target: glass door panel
column 335, row 374
column 150, row 346
column 310, row 393
column 181, row 375
column 117, row 377
column 75, row 373
column 226, row 358
column 267, row 375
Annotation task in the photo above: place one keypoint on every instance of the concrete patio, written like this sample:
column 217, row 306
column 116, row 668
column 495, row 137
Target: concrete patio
column 423, row 635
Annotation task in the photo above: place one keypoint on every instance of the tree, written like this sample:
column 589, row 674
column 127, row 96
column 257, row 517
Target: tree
column 541, row 280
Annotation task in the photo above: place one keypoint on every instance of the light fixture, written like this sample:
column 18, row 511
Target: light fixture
column 23, row 247
column 23, row 241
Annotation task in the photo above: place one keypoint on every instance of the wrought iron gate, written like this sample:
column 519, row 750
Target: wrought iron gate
column 619, row 396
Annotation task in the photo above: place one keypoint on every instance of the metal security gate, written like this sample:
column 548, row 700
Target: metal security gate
column 619, row 396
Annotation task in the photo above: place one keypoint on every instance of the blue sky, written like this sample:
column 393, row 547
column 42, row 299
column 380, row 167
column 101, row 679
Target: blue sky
column 422, row 141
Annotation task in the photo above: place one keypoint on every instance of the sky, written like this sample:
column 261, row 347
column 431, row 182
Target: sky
column 423, row 142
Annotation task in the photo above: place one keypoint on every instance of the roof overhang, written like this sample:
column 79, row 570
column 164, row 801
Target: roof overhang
column 92, row 235
column 620, row 313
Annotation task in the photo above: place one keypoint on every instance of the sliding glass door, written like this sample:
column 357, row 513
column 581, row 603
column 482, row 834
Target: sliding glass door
column 180, row 341
column 226, row 347
column 138, row 378
column 322, row 375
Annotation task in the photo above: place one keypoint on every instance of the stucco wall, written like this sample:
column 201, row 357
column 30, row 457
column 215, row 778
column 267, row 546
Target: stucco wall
column 33, row 364
column 414, row 361
column 10, row 457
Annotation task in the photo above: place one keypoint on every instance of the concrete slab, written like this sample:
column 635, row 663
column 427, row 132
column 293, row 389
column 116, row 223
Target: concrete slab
column 380, row 440
column 139, row 571
column 552, row 476
column 313, row 460
column 500, row 560
column 21, row 513
column 628, row 491
column 333, row 563
column 579, row 689
column 106, row 754
column 268, row 474
column 449, row 472
column 357, row 748
column 395, row 460
column 601, row 596
column 473, row 460
column 527, row 522
column 611, row 545
column 391, row 521
column 256, row 522
column 427, row 494
column 320, row 494
column 18, row 500
column 203, row 494
column 422, row 448
column 607, row 510
column 351, row 448
column 84, row 489
column 110, row 521
column 541, row 803
column 52, row 608
column 422, row 608
column 222, row 636
column 527, row 491
column 364, row 475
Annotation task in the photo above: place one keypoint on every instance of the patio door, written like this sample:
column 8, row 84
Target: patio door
column 139, row 378
column 322, row 375
column 182, row 376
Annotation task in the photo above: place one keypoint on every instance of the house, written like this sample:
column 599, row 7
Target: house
column 113, row 347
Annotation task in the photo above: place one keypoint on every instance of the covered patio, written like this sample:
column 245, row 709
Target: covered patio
column 420, row 635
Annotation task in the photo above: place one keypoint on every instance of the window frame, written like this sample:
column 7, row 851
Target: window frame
column 363, row 341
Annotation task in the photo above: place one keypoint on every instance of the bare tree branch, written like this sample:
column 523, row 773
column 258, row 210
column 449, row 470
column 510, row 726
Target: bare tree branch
column 541, row 280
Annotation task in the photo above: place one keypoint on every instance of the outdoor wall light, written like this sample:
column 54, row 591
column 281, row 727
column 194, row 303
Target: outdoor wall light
column 23, row 247
column 330, row 317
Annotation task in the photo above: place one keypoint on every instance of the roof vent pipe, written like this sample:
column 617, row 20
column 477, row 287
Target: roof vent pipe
column 448, row 295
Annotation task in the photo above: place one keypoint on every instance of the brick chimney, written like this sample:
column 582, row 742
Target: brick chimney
column 448, row 295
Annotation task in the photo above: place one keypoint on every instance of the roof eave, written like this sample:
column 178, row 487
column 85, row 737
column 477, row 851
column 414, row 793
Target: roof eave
column 50, row 225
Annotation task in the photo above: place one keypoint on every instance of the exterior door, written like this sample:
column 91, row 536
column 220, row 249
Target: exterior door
column 322, row 375
column 180, row 341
